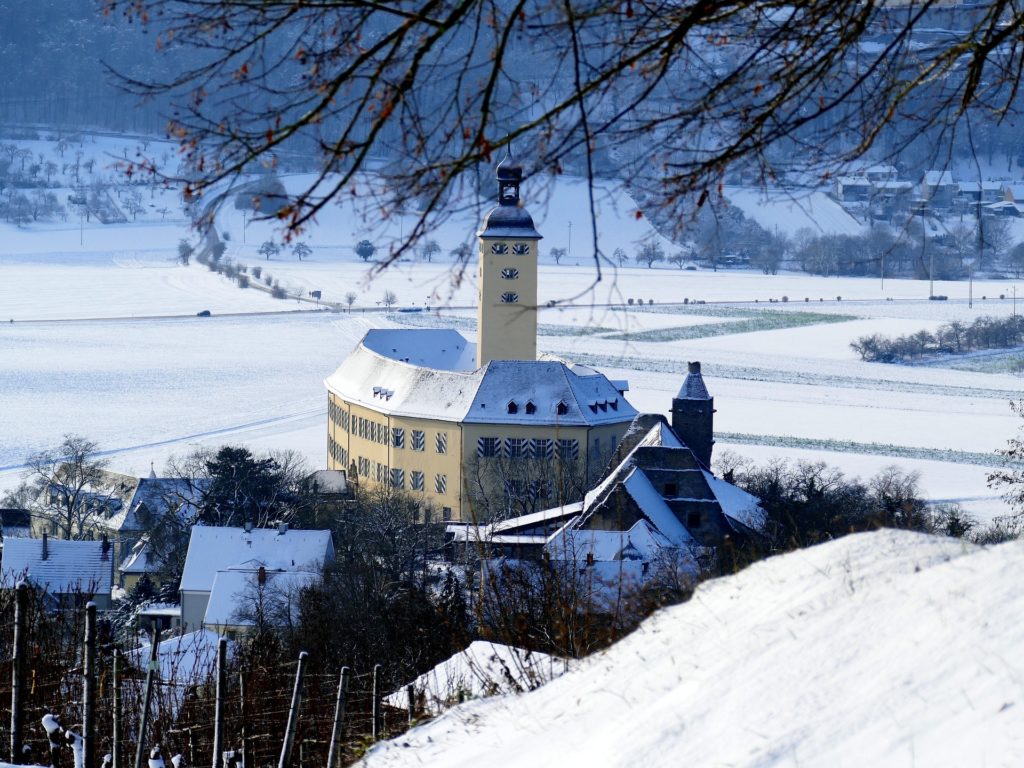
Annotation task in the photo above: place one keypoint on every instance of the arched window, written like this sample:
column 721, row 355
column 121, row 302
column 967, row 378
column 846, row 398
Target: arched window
column 510, row 273
column 513, row 407
column 508, row 297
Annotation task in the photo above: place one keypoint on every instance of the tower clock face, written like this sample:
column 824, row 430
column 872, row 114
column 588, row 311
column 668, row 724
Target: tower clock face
column 521, row 249
column 499, row 248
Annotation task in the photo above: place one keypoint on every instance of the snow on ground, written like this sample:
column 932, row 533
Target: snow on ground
column 882, row 649
column 482, row 669
column 789, row 212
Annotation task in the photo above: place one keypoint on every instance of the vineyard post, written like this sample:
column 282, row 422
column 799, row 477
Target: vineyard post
column 115, row 738
column 293, row 713
column 18, row 670
column 245, row 719
column 410, row 691
column 375, row 710
column 218, row 707
column 89, row 688
column 337, row 732
column 147, row 697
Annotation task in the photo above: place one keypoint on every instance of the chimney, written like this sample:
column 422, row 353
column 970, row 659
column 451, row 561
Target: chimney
column 46, row 546
column 693, row 415
column 105, row 548
column 261, row 576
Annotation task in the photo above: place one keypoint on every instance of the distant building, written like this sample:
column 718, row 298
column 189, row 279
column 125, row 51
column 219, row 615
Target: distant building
column 15, row 523
column 427, row 412
column 71, row 572
column 938, row 189
column 226, row 567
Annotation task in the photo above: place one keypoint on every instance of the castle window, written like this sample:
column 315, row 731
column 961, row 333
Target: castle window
column 382, row 473
column 561, row 409
column 510, row 273
column 693, row 519
column 521, row 249
column 364, row 467
column 442, row 442
column 530, row 408
column 440, row 483
column 513, row 407
column 416, row 480
column 568, row 450
column 488, row 447
column 398, row 437
column 516, row 447
column 419, row 440
column 542, row 448
column 446, row 514
column 499, row 248
column 398, row 478
column 508, row 297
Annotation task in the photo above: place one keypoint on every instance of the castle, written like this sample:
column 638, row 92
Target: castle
column 428, row 412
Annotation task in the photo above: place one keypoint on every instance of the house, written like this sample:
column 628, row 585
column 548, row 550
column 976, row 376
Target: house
column 71, row 572
column 938, row 188
column 881, row 172
column 243, row 595
column 119, row 506
column 230, row 560
column 139, row 562
column 15, row 523
column 658, row 503
column 974, row 192
column 852, row 189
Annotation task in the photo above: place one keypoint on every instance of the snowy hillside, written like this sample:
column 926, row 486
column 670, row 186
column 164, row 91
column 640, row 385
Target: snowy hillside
column 881, row 649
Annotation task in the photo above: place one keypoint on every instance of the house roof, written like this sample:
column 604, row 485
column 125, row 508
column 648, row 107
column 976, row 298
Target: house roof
column 70, row 566
column 938, row 178
column 378, row 376
column 139, row 560
column 234, row 588
column 212, row 549
column 693, row 387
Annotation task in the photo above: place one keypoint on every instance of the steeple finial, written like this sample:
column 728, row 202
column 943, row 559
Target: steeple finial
column 152, row 471
column 510, row 175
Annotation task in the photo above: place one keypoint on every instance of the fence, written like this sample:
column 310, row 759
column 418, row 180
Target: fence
column 58, row 661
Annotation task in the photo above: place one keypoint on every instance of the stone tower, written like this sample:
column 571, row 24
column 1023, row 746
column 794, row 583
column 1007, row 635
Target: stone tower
column 507, row 302
column 693, row 415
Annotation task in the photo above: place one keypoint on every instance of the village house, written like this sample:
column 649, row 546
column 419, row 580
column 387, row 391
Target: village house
column 938, row 189
column 226, row 569
column 70, row 572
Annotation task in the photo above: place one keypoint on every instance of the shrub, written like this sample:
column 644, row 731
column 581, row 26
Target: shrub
column 257, row 272
column 243, row 281
column 278, row 292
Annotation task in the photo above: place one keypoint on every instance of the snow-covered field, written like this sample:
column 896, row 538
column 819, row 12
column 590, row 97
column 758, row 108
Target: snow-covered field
column 105, row 343
column 880, row 649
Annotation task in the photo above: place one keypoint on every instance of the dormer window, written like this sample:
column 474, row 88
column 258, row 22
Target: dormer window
column 561, row 409
column 513, row 407
column 510, row 273
column 508, row 297
column 614, row 404
column 530, row 408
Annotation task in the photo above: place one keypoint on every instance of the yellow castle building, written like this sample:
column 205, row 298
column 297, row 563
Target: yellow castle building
column 432, row 414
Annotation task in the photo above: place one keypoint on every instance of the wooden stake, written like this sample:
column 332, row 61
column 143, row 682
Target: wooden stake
column 115, row 681
column 147, row 698
column 89, row 689
column 338, row 731
column 293, row 713
column 376, row 726
column 18, row 671
column 218, row 707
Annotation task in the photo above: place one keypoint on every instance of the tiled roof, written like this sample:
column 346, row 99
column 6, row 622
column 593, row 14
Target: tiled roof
column 69, row 566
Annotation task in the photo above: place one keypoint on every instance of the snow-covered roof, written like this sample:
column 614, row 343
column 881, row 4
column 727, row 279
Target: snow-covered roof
column 212, row 549
column 737, row 503
column 139, row 560
column 185, row 659
column 693, row 387
column 979, row 186
column 442, row 348
column 641, row 542
column 854, row 181
column 507, row 221
column 938, row 178
column 233, row 588
column 394, row 386
column 70, row 566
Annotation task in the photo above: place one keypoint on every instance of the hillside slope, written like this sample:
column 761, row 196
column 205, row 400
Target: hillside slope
column 888, row 648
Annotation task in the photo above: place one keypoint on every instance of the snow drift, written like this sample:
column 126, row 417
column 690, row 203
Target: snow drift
column 887, row 648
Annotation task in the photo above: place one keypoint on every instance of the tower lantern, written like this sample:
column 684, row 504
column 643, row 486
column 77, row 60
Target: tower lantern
column 507, row 299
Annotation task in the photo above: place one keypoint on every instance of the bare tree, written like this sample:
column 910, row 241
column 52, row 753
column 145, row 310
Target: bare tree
column 558, row 254
column 350, row 299
column 301, row 250
column 430, row 249
column 441, row 88
column 649, row 253
column 63, row 487
column 269, row 248
column 389, row 299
